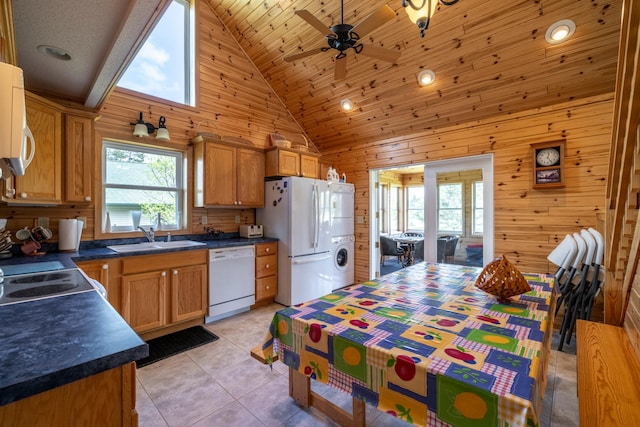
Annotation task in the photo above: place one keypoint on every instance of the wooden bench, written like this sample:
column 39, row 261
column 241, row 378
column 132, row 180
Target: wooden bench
column 608, row 376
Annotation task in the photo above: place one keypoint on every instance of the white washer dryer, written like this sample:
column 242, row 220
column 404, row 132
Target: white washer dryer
column 342, row 208
column 343, row 252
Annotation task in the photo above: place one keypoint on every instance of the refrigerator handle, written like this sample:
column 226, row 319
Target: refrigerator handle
column 314, row 201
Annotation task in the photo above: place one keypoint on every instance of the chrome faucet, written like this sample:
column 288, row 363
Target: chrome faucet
column 151, row 235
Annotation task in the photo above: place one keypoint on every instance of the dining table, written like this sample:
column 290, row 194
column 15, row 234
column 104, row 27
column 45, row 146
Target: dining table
column 410, row 243
column 423, row 344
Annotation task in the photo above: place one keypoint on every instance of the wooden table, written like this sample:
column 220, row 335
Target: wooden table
column 410, row 241
column 424, row 344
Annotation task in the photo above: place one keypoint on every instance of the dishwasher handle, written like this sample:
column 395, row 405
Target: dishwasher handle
column 218, row 255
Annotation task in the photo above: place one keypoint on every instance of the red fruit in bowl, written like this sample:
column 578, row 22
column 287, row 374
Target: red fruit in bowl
column 315, row 332
column 461, row 355
column 446, row 322
column 405, row 367
column 359, row 323
column 488, row 319
column 307, row 370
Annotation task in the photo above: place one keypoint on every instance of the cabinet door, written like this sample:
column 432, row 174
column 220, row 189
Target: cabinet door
column 220, row 175
column 250, row 178
column 144, row 300
column 309, row 166
column 42, row 181
column 288, row 163
column 78, row 159
column 107, row 273
column 188, row 293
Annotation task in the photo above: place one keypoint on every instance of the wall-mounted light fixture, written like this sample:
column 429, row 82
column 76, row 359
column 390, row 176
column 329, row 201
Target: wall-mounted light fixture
column 560, row 31
column 426, row 77
column 346, row 104
column 143, row 129
column 421, row 11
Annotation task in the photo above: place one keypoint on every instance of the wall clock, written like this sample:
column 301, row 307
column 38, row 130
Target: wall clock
column 548, row 164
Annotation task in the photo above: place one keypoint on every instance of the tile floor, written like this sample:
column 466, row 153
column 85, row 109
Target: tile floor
column 220, row 384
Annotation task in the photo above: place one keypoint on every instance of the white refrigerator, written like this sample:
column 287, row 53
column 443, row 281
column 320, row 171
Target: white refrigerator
column 297, row 212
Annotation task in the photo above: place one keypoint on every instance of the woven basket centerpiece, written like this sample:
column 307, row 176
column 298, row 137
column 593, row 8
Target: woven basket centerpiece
column 502, row 279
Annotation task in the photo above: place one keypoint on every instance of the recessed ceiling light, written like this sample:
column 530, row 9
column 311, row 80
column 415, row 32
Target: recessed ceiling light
column 54, row 52
column 426, row 77
column 346, row 104
column 560, row 31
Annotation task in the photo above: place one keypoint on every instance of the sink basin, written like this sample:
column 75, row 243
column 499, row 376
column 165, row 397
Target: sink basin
column 155, row 246
column 26, row 287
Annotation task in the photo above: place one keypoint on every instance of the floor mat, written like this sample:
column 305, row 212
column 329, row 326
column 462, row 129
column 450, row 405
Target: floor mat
column 177, row 342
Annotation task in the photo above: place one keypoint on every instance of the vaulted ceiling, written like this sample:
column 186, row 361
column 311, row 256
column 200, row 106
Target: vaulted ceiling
column 490, row 58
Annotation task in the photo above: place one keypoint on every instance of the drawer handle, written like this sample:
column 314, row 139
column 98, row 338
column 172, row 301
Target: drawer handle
column 267, row 250
column 266, row 266
column 105, row 266
column 268, row 287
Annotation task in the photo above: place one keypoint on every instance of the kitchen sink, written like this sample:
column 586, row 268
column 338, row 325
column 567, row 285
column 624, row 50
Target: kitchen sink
column 26, row 287
column 155, row 246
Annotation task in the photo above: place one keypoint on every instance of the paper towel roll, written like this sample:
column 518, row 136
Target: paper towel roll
column 70, row 232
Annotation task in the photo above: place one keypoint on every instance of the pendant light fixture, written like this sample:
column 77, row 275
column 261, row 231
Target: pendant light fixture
column 421, row 11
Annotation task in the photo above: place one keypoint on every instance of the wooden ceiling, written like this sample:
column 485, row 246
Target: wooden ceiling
column 490, row 58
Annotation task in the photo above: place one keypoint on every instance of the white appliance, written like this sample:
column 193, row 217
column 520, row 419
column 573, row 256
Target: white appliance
column 342, row 208
column 250, row 231
column 231, row 281
column 14, row 132
column 297, row 213
column 342, row 272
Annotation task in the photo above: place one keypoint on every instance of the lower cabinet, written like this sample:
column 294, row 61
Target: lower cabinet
column 107, row 272
column 104, row 399
column 161, row 291
column 266, row 271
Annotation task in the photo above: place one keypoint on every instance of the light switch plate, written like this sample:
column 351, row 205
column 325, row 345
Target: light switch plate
column 237, row 219
column 203, row 220
column 84, row 221
column 43, row 221
column 360, row 219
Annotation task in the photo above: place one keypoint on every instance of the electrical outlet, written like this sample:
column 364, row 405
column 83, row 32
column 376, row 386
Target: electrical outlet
column 84, row 221
column 360, row 219
column 203, row 220
column 237, row 219
column 43, row 221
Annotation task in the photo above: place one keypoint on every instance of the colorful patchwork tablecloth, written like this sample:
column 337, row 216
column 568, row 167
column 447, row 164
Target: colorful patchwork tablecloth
column 426, row 345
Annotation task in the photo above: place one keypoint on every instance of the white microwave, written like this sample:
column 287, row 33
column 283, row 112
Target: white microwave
column 17, row 146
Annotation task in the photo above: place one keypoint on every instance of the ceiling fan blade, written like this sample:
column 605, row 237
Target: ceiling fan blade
column 373, row 21
column 380, row 53
column 341, row 68
column 292, row 58
column 313, row 21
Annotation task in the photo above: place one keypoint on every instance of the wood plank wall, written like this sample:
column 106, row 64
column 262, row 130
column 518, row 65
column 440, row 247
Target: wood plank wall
column 529, row 223
column 234, row 100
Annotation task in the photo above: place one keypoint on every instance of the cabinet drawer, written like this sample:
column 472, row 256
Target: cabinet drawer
column 263, row 249
column 266, row 287
column 143, row 263
column 266, row 265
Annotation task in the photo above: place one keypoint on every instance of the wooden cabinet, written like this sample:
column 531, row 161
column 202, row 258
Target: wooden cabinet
column 228, row 175
column 107, row 272
column 289, row 162
column 42, row 181
column 104, row 399
column 160, row 291
column 79, row 179
column 266, row 270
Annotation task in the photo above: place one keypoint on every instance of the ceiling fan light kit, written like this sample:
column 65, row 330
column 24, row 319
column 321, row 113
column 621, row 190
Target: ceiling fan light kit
column 342, row 37
column 421, row 11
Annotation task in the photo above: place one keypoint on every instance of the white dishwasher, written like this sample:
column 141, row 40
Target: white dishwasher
column 231, row 281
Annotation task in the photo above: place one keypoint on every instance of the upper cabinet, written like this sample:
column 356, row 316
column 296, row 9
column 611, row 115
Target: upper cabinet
column 42, row 181
column 58, row 133
column 227, row 174
column 78, row 158
column 290, row 162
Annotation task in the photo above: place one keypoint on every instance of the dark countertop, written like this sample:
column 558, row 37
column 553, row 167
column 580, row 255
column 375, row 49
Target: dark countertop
column 54, row 341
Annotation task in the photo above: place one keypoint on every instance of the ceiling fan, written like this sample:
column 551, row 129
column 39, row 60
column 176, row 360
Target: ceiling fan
column 342, row 37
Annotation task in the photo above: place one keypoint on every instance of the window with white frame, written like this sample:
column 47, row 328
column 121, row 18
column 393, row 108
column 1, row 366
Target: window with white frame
column 478, row 213
column 164, row 65
column 394, row 209
column 384, row 208
column 415, row 208
column 142, row 186
column 450, row 208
